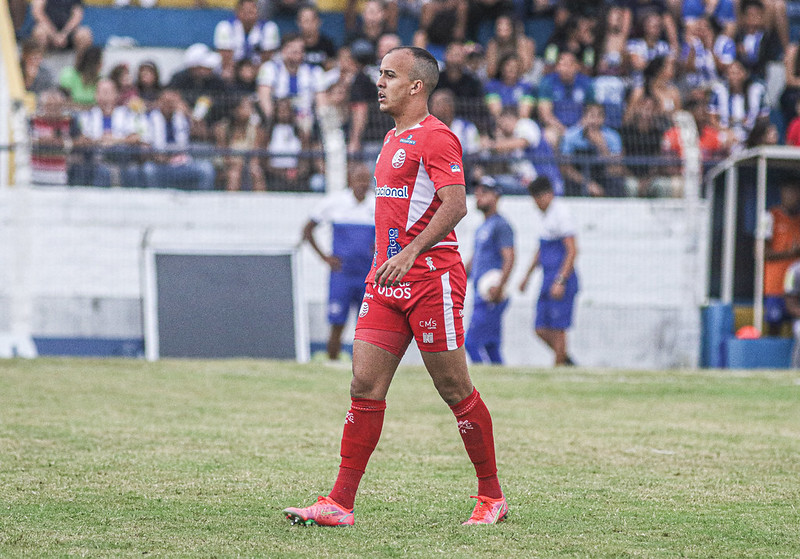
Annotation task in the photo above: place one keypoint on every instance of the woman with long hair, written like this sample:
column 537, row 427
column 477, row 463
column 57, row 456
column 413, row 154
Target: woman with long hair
column 79, row 82
column 509, row 38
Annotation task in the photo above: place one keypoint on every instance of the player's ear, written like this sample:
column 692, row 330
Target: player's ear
column 416, row 87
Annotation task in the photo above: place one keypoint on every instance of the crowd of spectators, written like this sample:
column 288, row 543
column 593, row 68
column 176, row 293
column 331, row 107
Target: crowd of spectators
column 593, row 112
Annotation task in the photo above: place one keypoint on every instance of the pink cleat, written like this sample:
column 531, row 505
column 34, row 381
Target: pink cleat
column 488, row 511
column 325, row 512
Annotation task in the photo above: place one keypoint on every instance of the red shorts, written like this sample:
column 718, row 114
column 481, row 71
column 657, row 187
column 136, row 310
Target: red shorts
column 432, row 311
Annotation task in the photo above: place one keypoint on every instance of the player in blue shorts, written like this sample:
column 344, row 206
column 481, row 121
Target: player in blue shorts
column 556, row 255
column 494, row 250
column 351, row 214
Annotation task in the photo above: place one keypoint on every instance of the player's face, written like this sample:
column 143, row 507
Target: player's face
column 248, row 14
column 394, row 83
column 790, row 198
column 360, row 179
column 543, row 200
column 485, row 199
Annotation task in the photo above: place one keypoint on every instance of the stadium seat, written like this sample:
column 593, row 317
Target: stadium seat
column 178, row 27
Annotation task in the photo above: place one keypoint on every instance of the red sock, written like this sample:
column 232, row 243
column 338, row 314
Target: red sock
column 362, row 429
column 475, row 426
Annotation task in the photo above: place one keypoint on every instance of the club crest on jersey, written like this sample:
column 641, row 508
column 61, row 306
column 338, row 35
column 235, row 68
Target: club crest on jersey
column 399, row 158
column 408, row 140
column 394, row 246
column 455, row 167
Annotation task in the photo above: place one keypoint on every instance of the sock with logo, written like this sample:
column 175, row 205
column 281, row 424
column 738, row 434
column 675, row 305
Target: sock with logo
column 362, row 430
column 475, row 426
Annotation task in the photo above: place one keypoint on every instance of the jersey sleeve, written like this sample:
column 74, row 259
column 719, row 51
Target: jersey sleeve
column 270, row 36
column 267, row 74
column 546, row 89
column 769, row 222
column 563, row 222
column 444, row 165
column 223, row 36
column 529, row 131
column 505, row 235
column 321, row 213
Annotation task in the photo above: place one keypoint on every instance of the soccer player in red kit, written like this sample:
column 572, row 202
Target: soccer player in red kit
column 415, row 289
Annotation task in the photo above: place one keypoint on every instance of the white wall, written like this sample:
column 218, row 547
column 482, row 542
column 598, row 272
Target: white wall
column 70, row 265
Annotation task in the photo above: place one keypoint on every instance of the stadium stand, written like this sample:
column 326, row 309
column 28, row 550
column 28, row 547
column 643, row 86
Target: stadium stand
column 164, row 33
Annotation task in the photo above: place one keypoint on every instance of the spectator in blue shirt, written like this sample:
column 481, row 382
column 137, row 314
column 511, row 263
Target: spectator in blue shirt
column 601, row 175
column 509, row 90
column 562, row 96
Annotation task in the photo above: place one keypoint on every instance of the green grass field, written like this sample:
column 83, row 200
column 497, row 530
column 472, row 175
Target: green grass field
column 106, row 458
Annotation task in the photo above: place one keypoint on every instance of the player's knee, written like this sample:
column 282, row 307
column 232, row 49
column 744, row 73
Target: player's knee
column 365, row 387
column 82, row 38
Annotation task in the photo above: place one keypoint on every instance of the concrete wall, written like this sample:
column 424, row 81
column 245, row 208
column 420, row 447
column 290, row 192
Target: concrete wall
column 70, row 265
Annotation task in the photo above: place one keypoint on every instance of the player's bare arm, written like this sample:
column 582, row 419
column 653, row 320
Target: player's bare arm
column 308, row 236
column 557, row 289
column 535, row 262
column 447, row 216
column 496, row 292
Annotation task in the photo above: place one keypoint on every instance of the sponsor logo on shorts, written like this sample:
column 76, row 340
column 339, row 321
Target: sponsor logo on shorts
column 394, row 246
column 386, row 191
column 427, row 337
column 429, row 324
column 364, row 309
column 400, row 291
column 399, row 158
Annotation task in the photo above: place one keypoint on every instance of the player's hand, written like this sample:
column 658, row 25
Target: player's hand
column 392, row 271
column 594, row 189
column 557, row 291
column 495, row 294
column 333, row 262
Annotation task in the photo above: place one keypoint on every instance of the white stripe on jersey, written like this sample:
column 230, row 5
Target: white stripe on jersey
column 421, row 198
column 449, row 319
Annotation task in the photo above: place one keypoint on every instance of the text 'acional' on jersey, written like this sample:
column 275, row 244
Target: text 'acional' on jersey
column 411, row 168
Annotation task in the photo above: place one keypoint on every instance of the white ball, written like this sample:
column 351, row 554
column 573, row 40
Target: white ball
column 489, row 279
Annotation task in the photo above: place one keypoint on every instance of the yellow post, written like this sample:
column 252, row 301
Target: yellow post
column 13, row 72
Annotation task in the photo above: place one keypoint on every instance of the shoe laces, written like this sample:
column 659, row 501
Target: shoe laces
column 482, row 509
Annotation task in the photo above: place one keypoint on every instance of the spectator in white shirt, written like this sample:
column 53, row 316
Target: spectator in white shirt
column 245, row 36
column 168, row 134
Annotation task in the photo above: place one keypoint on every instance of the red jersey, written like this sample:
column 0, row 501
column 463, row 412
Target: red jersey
column 410, row 169
column 785, row 235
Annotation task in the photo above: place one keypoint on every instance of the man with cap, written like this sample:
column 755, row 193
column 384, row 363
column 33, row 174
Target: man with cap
column 490, row 265
column 201, row 87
